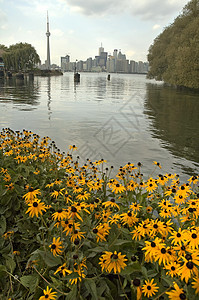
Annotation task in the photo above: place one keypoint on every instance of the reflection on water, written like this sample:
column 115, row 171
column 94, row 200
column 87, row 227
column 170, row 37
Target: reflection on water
column 174, row 116
column 125, row 119
column 23, row 93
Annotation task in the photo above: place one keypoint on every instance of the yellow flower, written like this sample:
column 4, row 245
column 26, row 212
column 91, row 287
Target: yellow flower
column 48, row 294
column 35, row 208
column 157, row 164
column 61, row 214
column 56, row 246
column 196, row 284
column 113, row 261
column 111, row 203
column 31, row 195
column 62, row 269
column 117, row 188
column 177, row 293
column 149, row 288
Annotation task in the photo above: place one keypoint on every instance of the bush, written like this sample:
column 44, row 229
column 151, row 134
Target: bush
column 70, row 231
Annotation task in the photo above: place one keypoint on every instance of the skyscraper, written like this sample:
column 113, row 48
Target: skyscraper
column 48, row 46
column 101, row 49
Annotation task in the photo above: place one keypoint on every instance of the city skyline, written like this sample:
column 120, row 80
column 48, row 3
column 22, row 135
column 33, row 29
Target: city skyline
column 117, row 62
column 77, row 28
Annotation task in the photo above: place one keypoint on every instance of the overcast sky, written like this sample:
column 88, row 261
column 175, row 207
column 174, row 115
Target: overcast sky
column 78, row 27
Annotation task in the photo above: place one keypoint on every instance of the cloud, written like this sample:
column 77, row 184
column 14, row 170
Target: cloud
column 144, row 9
column 156, row 26
column 3, row 20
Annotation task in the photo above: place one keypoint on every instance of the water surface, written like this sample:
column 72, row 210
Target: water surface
column 128, row 118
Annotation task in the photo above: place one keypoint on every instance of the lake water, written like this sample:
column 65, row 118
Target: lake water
column 128, row 118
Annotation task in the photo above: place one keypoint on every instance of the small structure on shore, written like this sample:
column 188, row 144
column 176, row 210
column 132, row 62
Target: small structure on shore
column 76, row 74
column 76, row 77
column 108, row 77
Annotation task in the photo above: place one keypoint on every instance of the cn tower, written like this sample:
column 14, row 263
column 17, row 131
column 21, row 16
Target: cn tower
column 48, row 46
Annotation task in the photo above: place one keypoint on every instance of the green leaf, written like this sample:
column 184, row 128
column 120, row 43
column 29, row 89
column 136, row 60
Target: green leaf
column 131, row 268
column 73, row 293
column 10, row 263
column 49, row 259
column 120, row 242
column 2, row 225
column 91, row 287
column 2, row 270
column 30, row 281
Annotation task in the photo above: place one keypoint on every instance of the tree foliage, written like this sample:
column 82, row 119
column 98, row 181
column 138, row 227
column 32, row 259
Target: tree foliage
column 174, row 55
column 20, row 57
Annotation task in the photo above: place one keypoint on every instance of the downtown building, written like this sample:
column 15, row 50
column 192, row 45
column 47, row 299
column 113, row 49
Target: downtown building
column 104, row 62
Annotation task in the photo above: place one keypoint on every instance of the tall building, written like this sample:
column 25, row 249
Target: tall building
column 48, row 46
column 65, row 60
column 101, row 49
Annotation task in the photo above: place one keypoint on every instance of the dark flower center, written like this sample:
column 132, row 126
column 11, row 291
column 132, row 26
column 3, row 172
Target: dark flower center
column 133, row 258
column 73, row 209
column 148, row 287
column 95, row 230
column 136, row 282
column 114, row 256
column 178, row 235
column 153, row 244
column 163, row 251
column 53, row 246
column 189, row 265
column 173, row 268
column 117, row 185
column 194, row 236
column 155, row 226
column 188, row 256
column 182, row 296
column 113, row 200
column 129, row 214
column 35, row 204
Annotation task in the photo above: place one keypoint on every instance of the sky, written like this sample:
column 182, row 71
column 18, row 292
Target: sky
column 78, row 27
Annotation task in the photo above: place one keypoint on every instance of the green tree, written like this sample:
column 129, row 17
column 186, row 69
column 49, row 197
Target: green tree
column 174, row 55
column 20, row 57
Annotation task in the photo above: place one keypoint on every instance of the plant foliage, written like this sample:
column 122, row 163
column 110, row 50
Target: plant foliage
column 174, row 55
column 71, row 231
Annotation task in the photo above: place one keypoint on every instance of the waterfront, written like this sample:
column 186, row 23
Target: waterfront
column 128, row 118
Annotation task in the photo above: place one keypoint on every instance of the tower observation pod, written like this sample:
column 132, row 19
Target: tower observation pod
column 48, row 45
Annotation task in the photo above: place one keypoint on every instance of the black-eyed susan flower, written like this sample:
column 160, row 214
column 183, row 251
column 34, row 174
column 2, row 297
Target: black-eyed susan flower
column 83, row 196
column 193, row 238
column 31, row 195
column 118, row 188
column 178, row 237
column 149, row 288
column 63, row 270
column 111, row 203
column 56, row 247
column 101, row 231
column 60, row 214
column 195, row 284
column 129, row 218
column 48, row 294
column 151, row 248
column 113, row 261
column 177, row 293
column 135, row 207
column 36, row 207
column 172, row 269
column 162, row 255
column 76, row 234
column 157, row 164
column 188, row 269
